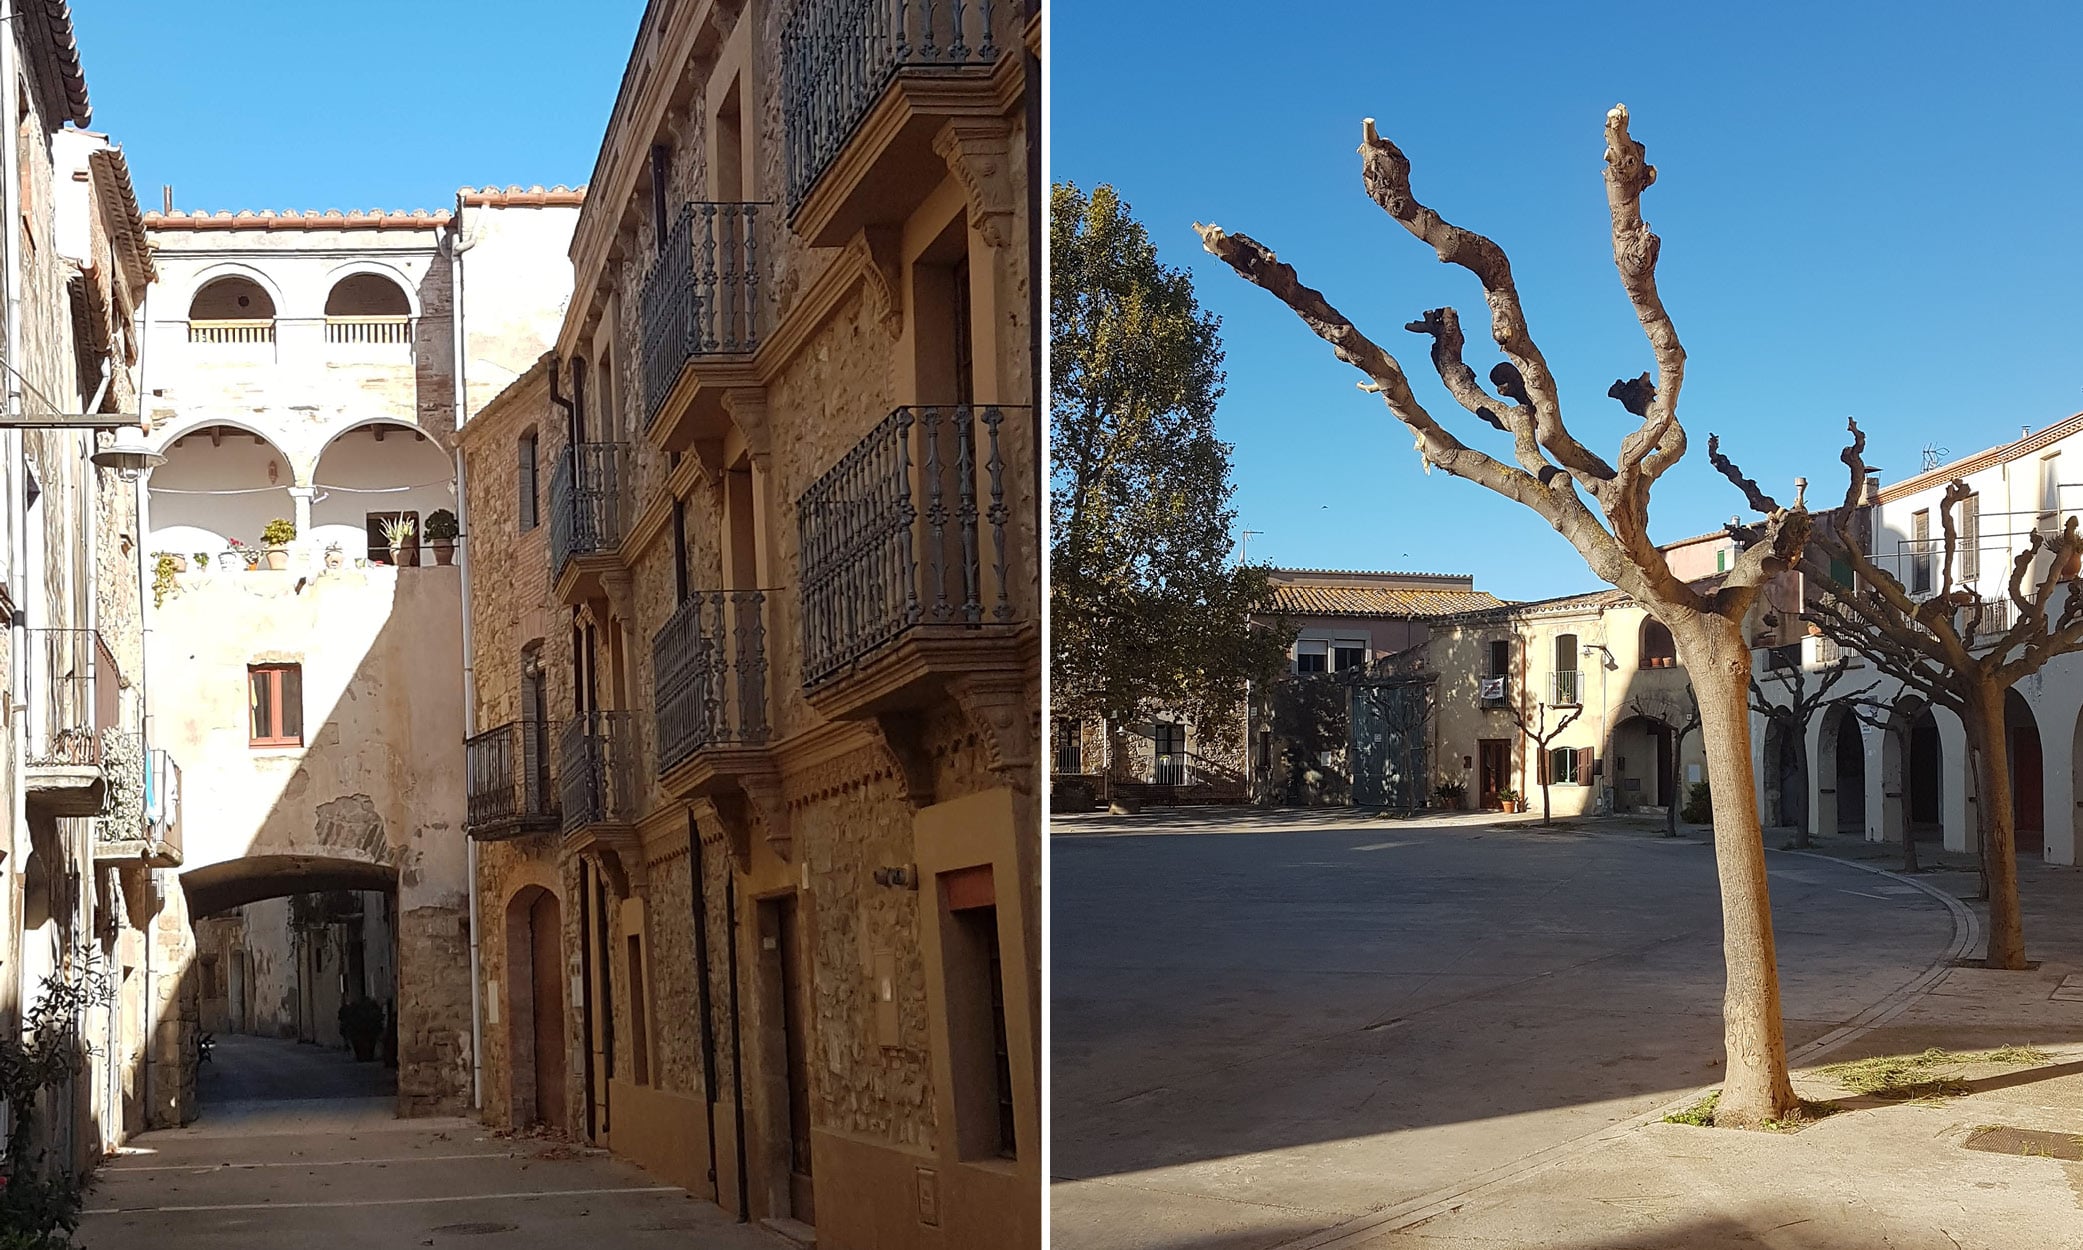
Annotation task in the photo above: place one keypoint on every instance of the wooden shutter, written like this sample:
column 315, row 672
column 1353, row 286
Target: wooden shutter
column 1584, row 763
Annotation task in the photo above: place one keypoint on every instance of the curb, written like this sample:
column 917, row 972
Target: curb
column 1354, row 1233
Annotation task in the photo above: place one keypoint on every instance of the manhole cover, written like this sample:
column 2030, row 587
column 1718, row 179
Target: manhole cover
column 476, row 1228
column 2002, row 1139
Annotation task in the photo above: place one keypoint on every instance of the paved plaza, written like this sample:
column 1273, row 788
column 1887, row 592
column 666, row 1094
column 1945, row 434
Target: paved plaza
column 1325, row 1030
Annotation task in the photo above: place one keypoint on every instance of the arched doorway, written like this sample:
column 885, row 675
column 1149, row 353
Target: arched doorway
column 2028, row 776
column 1643, row 763
column 1923, row 786
column 1843, row 751
column 535, row 1007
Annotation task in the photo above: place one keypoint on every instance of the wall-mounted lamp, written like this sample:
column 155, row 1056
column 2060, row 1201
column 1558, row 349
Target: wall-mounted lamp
column 902, row 876
column 128, row 455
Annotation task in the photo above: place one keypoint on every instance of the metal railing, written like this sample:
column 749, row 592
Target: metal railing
column 507, row 778
column 163, row 799
column 709, row 669
column 385, row 331
column 586, row 505
column 900, row 533
column 595, row 773
column 837, row 56
column 223, row 333
column 74, row 692
column 1494, row 691
column 1567, row 687
column 701, row 296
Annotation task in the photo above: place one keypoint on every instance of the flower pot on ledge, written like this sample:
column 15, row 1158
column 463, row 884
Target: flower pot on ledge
column 444, row 550
column 276, row 558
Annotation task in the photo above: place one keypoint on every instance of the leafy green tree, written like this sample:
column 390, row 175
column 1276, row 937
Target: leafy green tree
column 1147, row 609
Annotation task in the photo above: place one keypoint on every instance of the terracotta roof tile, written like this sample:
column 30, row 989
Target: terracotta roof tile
column 330, row 219
column 1376, row 600
column 559, row 196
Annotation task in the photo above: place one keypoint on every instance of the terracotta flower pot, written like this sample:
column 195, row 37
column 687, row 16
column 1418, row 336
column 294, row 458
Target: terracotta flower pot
column 408, row 556
column 444, row 551
column 277, row 558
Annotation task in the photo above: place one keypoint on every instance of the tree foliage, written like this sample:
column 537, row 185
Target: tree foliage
column 1146, row 608
column 39, row 1199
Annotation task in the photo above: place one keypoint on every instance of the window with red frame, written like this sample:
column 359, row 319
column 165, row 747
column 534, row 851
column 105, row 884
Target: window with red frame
column 275, row 700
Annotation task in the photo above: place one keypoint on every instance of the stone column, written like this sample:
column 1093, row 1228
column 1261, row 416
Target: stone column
column 300, row 497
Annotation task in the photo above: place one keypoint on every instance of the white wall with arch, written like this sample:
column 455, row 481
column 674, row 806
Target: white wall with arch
column 377, row 468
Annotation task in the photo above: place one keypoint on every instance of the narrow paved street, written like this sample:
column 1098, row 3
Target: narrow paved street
column 1262, row 1035
column 298, row 1147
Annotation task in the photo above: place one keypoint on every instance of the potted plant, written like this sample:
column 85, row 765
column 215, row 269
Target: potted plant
column 202, row 561
column 397, row 535
column 361, row 1023
column 334, row 557
column 277, row 535
column 244, row 554
column 1508, row 800
column 1450, row 794
column 441, row 532
column 173, row 560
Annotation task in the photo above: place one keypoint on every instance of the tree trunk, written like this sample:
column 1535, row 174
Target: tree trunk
column 1671, row 790
column 1756, row 1087
column 1544, row 796
column 1988, row 748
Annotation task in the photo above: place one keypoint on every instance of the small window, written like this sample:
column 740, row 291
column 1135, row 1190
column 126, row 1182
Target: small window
column 1970, row 563
column 275, row 702
column 1563, row 767
column 984, row 1082
column 1312, row 656
column 528, row 503
column 1500, row 658
column 1348, row 655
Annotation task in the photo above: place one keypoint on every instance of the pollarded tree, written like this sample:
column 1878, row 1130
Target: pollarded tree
column 1794, row 705
column 1680, row 717
column 1147, row 611
column 1603, row 510
column 1951, row 647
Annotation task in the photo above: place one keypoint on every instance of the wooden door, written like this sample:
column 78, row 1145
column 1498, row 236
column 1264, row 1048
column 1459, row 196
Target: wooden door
column 546, row 980
column 795, row 1021
column 1495, row 769
column 2028, row 790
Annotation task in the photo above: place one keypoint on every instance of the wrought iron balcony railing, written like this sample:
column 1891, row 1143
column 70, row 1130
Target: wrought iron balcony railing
column 710, row 669
column 595, row 770
column 587, row 510
column 74, row 693
column 901, row 532
column 837, row 57
column 701, row 296
column 507, row 776
column 1568, row 687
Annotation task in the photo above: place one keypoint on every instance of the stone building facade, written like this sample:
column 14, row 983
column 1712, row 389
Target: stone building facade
column 757, row 681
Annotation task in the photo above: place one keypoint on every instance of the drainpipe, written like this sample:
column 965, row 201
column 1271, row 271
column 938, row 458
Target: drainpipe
column 699, row 880
column 457, row 245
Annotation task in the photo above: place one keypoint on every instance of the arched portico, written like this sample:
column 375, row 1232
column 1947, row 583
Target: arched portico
column 373, row 470
column 221, row 481
column 1840, row 772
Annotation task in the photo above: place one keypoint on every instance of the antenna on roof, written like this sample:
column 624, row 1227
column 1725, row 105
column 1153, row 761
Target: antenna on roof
column 1934, row 456
column 166, row 195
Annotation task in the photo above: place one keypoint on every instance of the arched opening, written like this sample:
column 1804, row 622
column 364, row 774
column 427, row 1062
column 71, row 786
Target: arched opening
column 1659, row 650
column 231, row 310
column 296, row 977
column 1842, row 750
column 219, row 483
column 2028, row 776
column 535, row 1008
column 1644, row 760
column 368, row 309
column 376, row 474
column 1923, row 785
column 1786, row 775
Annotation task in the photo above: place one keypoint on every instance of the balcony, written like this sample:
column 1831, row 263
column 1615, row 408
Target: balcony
column 866, row 86
column 596, row 775
column 701, row 313
column 1494, row 692
column 907, row 562
column 248, row 333
column 710, row 673
column 1567, row 688
column 507, row 782
column 588, row 515
column 74, row 693
column 372, row 332
column 143, row 821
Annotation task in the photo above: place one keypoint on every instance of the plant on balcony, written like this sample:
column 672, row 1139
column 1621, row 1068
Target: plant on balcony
column 276, row 535
column 397, row 535
column 202, row 561
column 361, row 1023
column 441, row 532
column 164, row 571
column 244, row 554
column 335, row 559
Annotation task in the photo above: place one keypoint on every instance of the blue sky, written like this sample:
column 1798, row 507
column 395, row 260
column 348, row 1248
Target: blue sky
column 1866, row 210
column 335, row 105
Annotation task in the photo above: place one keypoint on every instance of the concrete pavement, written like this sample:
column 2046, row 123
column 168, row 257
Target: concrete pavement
column 334, row 1169
column 1262, row 1036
